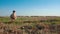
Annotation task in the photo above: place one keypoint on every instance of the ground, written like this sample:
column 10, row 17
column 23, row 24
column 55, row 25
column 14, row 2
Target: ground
column 32, row 21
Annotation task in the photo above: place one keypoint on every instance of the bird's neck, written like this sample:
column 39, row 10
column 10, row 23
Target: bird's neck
column 14, row 12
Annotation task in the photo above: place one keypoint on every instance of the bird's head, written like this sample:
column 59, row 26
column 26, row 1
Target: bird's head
column 14, row 11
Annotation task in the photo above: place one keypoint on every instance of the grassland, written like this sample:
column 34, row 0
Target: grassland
column 38, row 19
column 30, row 21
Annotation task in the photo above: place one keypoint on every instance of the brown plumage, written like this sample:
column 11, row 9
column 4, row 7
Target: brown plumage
column 13, row 16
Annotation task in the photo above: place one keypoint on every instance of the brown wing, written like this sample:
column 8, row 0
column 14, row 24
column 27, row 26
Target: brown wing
column 12, row 16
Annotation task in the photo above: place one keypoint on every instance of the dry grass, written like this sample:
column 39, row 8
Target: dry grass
column 15, row 27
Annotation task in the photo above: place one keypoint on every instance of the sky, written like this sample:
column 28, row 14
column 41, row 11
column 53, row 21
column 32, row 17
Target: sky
column 30, row 7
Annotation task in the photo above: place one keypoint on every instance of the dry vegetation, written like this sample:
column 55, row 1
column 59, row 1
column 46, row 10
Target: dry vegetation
column 30, row 25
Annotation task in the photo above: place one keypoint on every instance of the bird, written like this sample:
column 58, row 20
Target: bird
column 13, row 16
